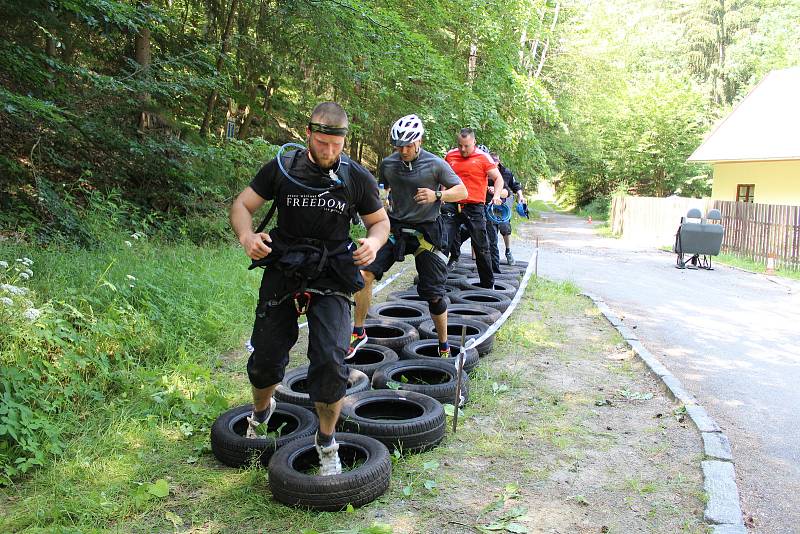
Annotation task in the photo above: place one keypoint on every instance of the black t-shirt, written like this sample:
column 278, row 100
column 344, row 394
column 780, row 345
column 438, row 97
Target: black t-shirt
column 321, row 215
column 510, row 183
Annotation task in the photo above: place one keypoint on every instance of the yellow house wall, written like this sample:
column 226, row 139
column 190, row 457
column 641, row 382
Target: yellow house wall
column 777, row 182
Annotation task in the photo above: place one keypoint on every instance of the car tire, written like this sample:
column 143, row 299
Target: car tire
column 432, row 378
column 484, row 297
column 402, row 420
column 392, row 334
column 292, row 484
column 427, row 330
column 370, row 357
column 411, row 313
column 477, row 312
column 292, row 387
column 428, row 350
column 233, row 449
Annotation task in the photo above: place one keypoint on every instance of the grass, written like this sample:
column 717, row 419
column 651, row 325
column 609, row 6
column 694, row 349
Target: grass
column 754, row 266
column 195, row 305
column 604, row 230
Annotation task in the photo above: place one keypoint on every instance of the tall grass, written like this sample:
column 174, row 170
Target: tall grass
column 129, row 326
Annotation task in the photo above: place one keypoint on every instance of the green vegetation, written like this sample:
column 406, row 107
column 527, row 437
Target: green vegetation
column 135, row 98
column 116, row 337
column 754, row 266
column 133, row 431
column 121, row 287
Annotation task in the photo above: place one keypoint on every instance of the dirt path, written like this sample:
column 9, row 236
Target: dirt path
column 565, row 432
column 731, row 337
column 582, row 439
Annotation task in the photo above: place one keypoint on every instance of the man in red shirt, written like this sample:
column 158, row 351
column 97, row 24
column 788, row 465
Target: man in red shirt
column 474, row 167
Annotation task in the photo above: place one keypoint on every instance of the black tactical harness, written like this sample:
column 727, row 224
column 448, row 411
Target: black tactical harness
column 306, row 260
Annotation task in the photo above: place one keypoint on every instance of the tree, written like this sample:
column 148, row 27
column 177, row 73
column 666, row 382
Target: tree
column 712, row 27
column 224, row 49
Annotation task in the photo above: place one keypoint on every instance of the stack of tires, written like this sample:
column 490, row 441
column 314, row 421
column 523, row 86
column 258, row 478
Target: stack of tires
column 394, row 401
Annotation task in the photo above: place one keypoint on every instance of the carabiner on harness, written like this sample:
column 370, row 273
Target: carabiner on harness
column 302, row 300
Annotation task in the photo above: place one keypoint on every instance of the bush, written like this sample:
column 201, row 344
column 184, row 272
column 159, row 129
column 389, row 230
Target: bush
column 131, row 322
column 597, row 209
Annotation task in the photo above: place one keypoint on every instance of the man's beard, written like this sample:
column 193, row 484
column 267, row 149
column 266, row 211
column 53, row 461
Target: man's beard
column 325, row 165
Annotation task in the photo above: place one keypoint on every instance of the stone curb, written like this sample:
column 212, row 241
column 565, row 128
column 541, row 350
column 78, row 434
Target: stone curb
column 719, row 477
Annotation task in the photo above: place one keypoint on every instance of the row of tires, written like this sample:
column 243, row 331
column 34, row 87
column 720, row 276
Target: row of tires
column 403, row 410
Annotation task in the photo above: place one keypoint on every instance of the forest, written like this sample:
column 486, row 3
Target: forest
column 169, row 106
column 129, row 126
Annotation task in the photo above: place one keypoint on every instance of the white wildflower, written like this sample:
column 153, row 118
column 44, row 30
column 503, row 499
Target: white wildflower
column 28, row 272
column 129, row 243
column 24, row 275
column 130, row 277
column 32, row 314
column 6, row 301
column 14, row 290
column 3, row 264
column 27, row 261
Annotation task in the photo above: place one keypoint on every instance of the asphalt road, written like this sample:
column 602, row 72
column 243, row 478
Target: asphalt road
column 731, row 337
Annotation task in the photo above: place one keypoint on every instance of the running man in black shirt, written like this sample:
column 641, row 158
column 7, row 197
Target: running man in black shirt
column 419, row 182
column 512, row 186
column 310, row 266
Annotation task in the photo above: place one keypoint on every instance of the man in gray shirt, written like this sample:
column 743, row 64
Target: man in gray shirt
column 419, row 183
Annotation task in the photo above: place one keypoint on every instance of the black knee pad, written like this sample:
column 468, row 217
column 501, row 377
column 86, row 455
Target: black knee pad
column 263, row 375
column 438, row 306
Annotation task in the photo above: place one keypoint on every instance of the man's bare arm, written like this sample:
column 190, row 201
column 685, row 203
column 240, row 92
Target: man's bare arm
column 241, row 215
column 377, row 224
column 495, row 175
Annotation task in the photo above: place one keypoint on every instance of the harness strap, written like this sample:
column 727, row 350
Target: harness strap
column 424, row 245
column 399, row 243
column 267, row 217
column 308, row 293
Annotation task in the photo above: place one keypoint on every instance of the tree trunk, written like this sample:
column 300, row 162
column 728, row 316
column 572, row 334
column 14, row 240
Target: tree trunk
column 472, row 63
column 248, row 111
column 723, row 39
column 535, row 43
column 141, row 53
column 226, row 45
column 70, row 48
column 547, row 43
column 50, row 48
column 268, row 92
column 142, row 50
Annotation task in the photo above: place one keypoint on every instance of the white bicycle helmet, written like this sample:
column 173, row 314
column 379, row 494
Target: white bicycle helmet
column 406, row 130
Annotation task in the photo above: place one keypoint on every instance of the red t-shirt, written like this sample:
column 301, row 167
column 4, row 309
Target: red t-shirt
column 473, row 171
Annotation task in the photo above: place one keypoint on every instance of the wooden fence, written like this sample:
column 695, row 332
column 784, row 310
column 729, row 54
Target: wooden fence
column 753, row 231
column 756, row 231
column 651, row 220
